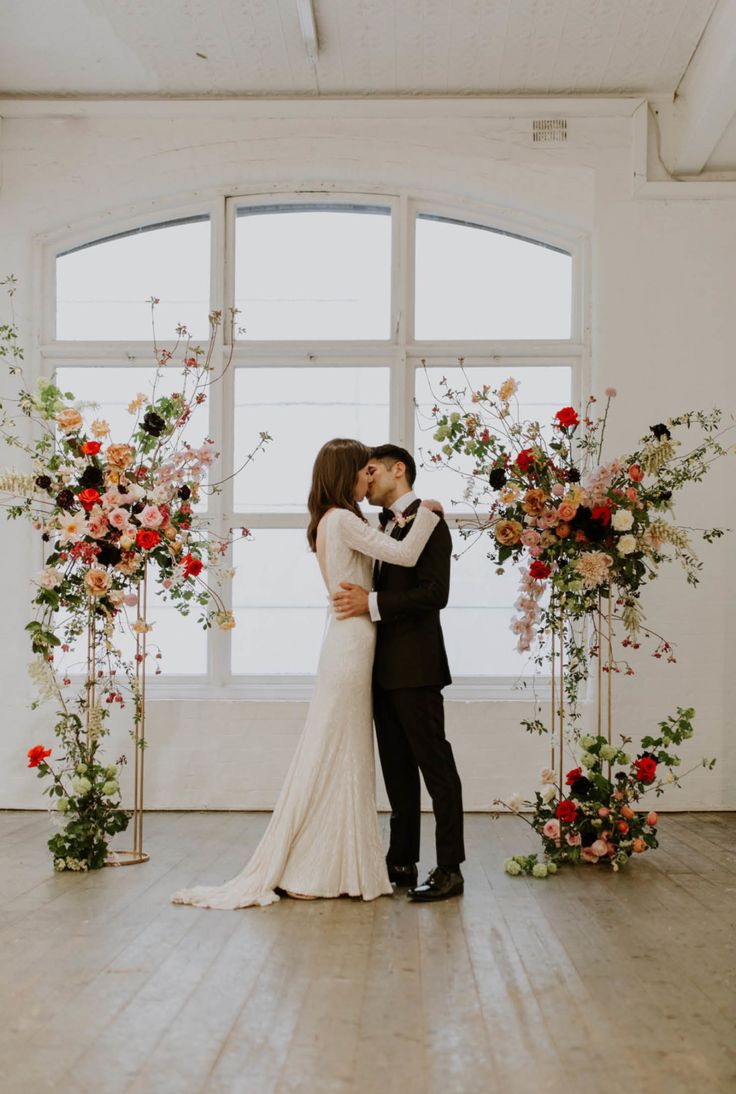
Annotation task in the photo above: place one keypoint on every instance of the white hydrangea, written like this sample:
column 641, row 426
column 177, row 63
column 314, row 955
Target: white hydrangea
column 626, row 545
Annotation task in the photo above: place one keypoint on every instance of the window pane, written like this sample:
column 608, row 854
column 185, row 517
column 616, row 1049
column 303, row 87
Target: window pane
column 472, row 282
column 102, row 288
column 478, row 616
column 301, row 408
column 542, row 391
column 280, row 605
column 316, row 271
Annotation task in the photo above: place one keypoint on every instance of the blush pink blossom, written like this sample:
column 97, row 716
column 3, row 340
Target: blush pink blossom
column 97, row 523
column 530, row 538
column 118, row 518
column 603, row 811
column 589, row 855
column 130, row 600
column 552, row 830
column 599, row 847
column 573, row 839
column 652, row 819
column 167, row 582
column 151, row 517
column 558, row 490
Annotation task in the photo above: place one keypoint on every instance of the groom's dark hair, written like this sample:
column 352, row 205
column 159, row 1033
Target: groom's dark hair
column 389, row 454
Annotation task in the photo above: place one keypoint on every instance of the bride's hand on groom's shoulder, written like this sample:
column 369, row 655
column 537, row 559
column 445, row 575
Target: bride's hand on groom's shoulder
column 433, row 505
column 350, row 600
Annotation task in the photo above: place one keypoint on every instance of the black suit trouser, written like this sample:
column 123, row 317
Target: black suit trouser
column 410, row 730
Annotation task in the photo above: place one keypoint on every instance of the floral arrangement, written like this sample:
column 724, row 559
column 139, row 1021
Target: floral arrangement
column 109, row 510
column 596, row 817
column 588, row 535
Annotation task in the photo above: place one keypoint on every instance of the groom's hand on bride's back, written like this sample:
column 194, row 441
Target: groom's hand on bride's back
column 350, row 600
column 433, row 505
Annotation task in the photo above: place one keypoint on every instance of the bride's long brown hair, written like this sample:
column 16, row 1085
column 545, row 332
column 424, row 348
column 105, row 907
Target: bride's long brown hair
column 333, row 481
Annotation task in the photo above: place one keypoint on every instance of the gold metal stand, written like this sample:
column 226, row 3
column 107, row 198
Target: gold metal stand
column 557, row 711
column 607, row 641
column 131, row 858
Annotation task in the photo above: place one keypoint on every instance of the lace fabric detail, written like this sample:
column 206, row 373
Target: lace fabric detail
column 323, row 838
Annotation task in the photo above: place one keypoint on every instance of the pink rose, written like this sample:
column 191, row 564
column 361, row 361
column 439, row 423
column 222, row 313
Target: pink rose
column 130, row 600
column 599, row 847
column 535, row 552
column 589, row 855
column 552, row 830
column 566, row 511
column 530, row 538
column 603, row 811
column 118, row 518
column 652, row 819
column 573, row 839
column 167, row 582
column 151, row 517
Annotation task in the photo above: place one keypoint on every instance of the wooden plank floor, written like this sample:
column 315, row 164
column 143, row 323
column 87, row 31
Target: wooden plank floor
column 587, row 982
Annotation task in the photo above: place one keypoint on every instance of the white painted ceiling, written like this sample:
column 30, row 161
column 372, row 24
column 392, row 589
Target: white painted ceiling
column 387, row 47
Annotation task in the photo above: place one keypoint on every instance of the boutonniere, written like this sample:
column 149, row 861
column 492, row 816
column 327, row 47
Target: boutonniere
column 402, row 519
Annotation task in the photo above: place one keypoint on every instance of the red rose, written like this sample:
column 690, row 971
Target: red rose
column 91, row 448
column 525, row 459
column 601, row 513
column 573, row 775
column 635, row 473
column 89, row 497
column 567, row 811
column 539, row 570
column 192, row 566
column 567, row 418
column 37, row 754
column 147, row 538
column 622, row 827
column 646, row 769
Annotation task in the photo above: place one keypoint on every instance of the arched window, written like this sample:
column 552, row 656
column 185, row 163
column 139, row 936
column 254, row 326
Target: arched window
column 349, row 311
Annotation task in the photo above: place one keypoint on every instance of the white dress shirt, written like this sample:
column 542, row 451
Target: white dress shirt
column 398, row 506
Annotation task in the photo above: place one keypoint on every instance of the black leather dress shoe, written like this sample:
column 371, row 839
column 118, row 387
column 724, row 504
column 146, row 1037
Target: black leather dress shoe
column 440, row 885
column 403, row 877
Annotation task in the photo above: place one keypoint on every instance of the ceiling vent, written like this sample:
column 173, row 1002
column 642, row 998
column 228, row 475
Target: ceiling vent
column 549, row 130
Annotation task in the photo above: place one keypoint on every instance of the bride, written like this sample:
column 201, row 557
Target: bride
column 323, row 838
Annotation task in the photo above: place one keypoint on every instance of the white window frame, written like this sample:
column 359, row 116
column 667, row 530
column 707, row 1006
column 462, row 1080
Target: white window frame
column 401, row 353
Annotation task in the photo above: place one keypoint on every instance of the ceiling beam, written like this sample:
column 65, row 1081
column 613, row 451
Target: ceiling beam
column 705, row 100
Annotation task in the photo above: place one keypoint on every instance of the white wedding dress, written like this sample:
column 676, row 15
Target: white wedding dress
column 323, row 838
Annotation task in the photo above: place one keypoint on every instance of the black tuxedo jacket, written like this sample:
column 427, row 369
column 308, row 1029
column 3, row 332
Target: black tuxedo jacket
column 410, row 650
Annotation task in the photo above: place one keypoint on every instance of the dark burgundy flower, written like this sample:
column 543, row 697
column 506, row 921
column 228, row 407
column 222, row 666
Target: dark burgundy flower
column 497, row 478
column 43, row 482
column 184, row 493
column 660, row 431
column 581, row 788
column 91, row 476
column 65, row 499
column 108, row 555
column 573, row 475
column 153, row 423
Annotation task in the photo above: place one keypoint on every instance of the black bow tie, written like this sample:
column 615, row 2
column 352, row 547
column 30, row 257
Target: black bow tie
column 385, row 516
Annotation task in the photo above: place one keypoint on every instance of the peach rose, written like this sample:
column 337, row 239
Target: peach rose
column 627, row 811
column 562, row 531
column 638, row 845
column 652, row 819
column 635, row 473
column 97, row 581
column 100, row 427
column 119, row 456
column 533, row 503
column 508, row 532
column 566, row 511
column 68, row 420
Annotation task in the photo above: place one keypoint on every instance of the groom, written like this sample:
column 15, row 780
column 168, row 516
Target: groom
column 409, row 671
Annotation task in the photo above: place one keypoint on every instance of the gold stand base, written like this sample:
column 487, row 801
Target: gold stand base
column 126, row 858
